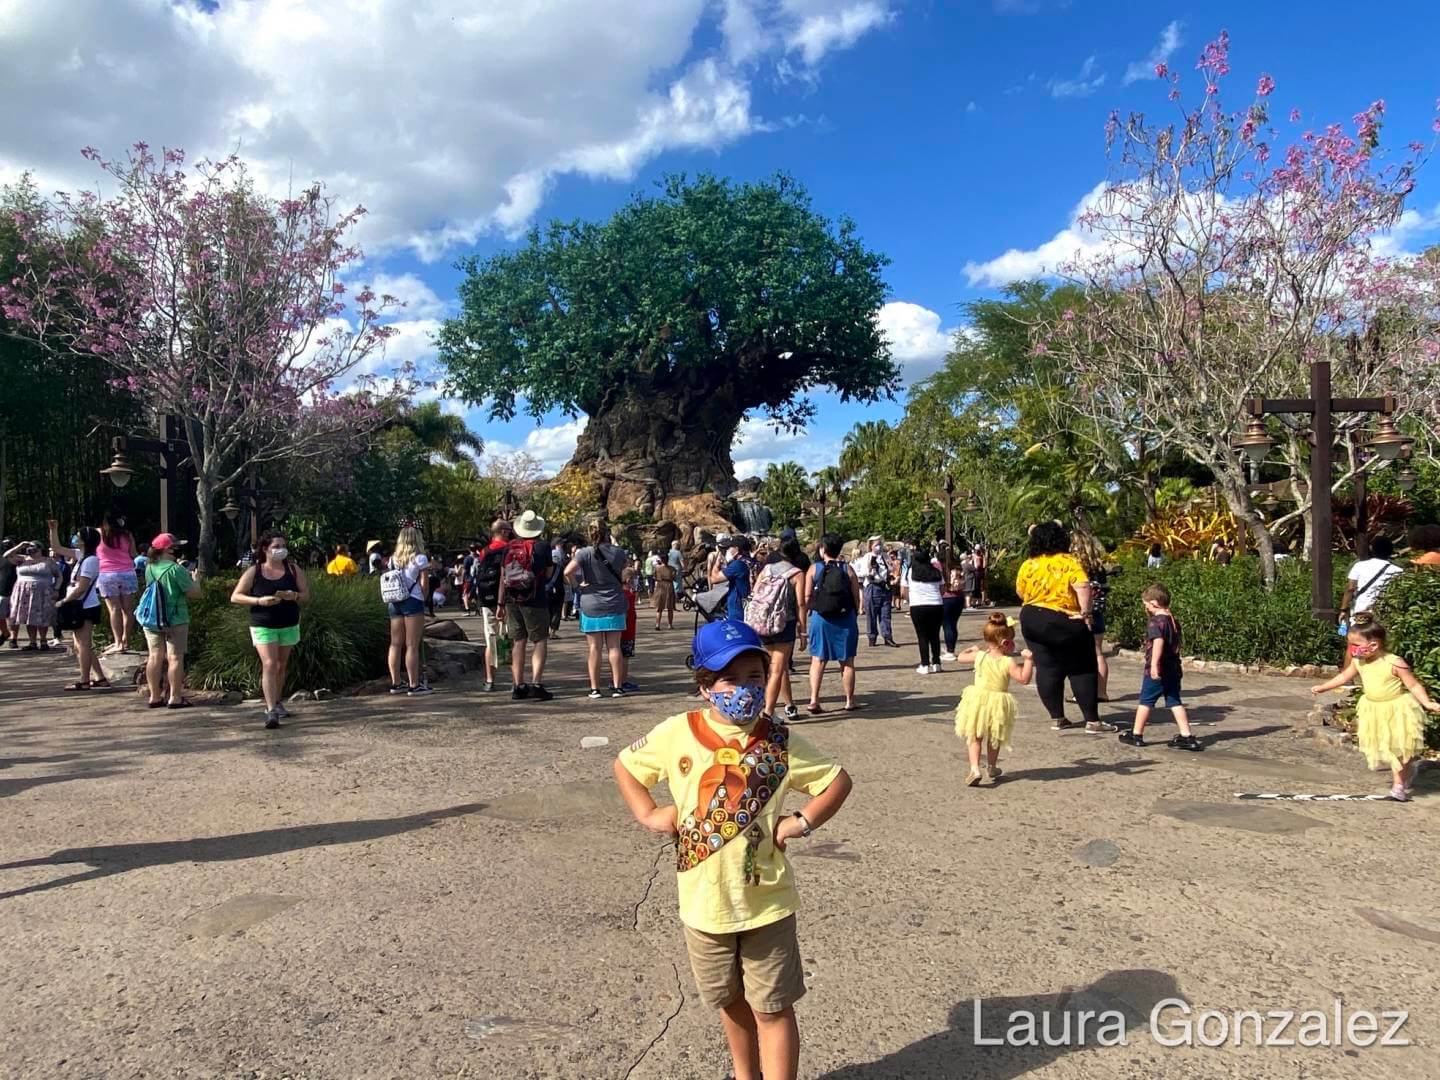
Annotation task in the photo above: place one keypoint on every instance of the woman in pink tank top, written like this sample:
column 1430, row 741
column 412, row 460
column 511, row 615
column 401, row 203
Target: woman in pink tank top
column 118, row 586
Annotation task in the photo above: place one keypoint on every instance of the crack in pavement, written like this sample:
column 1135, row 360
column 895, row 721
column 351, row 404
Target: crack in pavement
column 665, row 1027
column 649, row 884
column 674, row 968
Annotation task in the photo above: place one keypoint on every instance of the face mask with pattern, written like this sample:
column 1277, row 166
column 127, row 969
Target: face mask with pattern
column 741, row 706
column 1361, row 652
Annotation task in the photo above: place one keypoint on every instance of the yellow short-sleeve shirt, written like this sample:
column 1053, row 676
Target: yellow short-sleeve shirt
column 341, row 566
column 1049, row 581
column 714, row 896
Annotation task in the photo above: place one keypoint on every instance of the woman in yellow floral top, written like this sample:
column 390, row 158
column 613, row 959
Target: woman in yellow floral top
column 1055, row 620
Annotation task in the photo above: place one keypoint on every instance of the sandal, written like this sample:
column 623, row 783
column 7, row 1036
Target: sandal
column 155, row 704
column 974, row 778
column 179, row 705
column 77, row 686
column 102, row 684
column 814, row 709
column 853, row 706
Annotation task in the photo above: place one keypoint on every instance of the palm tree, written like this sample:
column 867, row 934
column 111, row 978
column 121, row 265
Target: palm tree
column 785, row 489
column 863, row 446
column 444, row 434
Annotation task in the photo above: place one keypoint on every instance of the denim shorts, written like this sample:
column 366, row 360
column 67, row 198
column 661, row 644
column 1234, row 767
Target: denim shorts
column 409, row 606
column 1167, row 686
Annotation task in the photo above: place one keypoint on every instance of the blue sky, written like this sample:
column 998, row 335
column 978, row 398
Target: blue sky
column 952, row 132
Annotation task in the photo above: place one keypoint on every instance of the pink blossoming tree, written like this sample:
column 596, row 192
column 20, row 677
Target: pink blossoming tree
column 1217, row 265
column 214, row 304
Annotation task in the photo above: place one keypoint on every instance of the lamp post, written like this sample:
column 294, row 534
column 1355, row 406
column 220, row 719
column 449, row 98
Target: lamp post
column 172, row 448
column 250, row 500
column 946, row 498
column 822, row 504
column 1387, row 444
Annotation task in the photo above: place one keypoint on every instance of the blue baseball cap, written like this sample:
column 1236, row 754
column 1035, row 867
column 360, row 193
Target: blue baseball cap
column 788, row 534
column 719, row 642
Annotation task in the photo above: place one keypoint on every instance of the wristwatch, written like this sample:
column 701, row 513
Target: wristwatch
column 804, row 821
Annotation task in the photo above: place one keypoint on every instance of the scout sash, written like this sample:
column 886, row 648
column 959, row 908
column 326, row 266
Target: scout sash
column 733, row 791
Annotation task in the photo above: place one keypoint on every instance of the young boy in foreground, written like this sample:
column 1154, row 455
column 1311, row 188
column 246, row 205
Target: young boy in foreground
column 729, row 769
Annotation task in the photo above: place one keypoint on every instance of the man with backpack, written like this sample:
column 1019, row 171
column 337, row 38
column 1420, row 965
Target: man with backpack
column 877, row 572
column 485, row 591
column 524, row 604
column 834, row 625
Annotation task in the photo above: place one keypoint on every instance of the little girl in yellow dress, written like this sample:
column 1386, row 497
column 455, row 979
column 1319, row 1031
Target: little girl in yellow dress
column 986, row 713
column 1390, row 726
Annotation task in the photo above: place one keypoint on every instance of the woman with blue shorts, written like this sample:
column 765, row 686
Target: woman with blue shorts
column 595, row 571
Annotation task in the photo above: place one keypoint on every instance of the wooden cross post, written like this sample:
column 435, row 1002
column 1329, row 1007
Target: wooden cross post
column 946, row 498
column 821, row 505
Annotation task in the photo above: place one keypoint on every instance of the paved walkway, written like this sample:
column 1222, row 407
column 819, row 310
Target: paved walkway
column 450, row 887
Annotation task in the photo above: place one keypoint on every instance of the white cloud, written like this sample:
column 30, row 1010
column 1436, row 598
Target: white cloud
column 554, row 445
column 1414, row 225
column 971, row 107
column 821, row 26
column 1019, row 264
column 916, row 339
column 758, row 445
column 446, row 118
column 1083, row 85
column 1170, row 40
column 419, row 299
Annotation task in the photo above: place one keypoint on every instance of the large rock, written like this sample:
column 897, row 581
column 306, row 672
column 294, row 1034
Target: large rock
column 445, row 630
column 651, row 537
column 124, row 669
column 697, row 517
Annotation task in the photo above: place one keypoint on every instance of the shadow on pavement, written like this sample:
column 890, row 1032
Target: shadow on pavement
column 955, row 1053
column 1081, row 768
column 1208, row 738
column 118, row 858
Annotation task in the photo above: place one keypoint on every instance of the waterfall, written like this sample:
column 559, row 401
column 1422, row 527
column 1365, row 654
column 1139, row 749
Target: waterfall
column 753, row 516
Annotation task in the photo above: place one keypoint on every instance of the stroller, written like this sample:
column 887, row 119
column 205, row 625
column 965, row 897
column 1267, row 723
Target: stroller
column 708, row 601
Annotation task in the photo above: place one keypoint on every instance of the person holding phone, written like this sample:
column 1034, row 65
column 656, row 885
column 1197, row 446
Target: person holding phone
column 273, row 588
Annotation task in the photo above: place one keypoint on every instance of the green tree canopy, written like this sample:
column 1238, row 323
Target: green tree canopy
column 670, row 322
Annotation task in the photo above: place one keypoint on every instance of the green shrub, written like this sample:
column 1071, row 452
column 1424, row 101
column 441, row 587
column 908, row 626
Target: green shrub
column 1000, row 580
column 344, row 631
column 1410, row 608
column 1226, row 614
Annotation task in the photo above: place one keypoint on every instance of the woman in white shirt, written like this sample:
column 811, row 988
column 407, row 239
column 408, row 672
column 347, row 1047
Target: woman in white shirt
column 922, row 585
column 407, row 618
column 83, row 593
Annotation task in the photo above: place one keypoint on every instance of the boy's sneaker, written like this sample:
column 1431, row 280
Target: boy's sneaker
column 791, row 713
column 617, row 691
column 934, row 669
column 489, row 686
column 519, row 692
column 1129, row 738
column 594, row 695
column 947, row 656
column 1099, row 727
column 923, row 669
column 421, row 690
column 1185, row 742
column 539, row 693
column 282, row 712
column 629, row 687
column 272, row 719
column 400, row 688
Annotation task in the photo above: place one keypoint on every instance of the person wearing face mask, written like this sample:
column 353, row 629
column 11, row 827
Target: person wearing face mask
column 729, row 769
column 876, row 571
column 273, row 588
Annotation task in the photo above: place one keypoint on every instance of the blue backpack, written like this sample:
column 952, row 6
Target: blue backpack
column 151, row 612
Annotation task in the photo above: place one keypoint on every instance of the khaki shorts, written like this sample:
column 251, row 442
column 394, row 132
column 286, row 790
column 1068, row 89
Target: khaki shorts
column 172, row 639
column 763, row 964
column 527, row 623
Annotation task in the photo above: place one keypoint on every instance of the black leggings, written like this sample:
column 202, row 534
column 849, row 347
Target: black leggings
column 1064, row 648
column 926, row 619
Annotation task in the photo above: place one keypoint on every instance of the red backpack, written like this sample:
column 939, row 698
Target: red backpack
column 517, row 570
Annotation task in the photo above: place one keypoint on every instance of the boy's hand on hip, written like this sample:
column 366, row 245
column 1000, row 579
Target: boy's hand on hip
column 788, row 828
column 661, row 820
